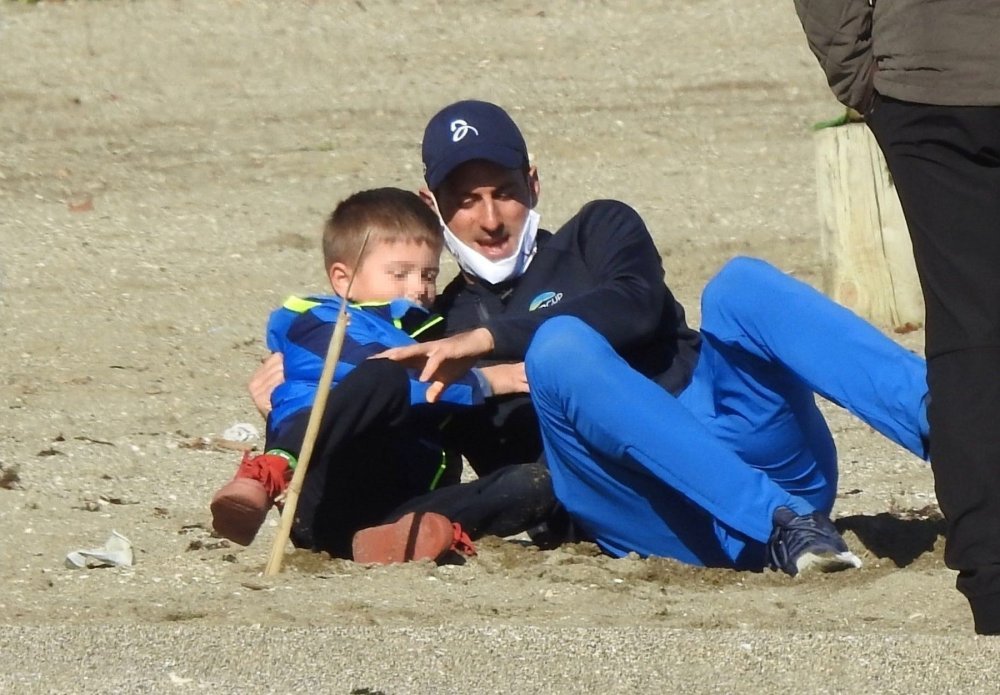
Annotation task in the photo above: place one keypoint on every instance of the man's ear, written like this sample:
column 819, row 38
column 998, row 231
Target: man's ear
column 340, row 278
column 426, row 196
column 534, row 185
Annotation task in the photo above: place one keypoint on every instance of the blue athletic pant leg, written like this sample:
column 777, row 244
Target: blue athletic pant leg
column 636, row 469
column 755, row 308
column 766, row 416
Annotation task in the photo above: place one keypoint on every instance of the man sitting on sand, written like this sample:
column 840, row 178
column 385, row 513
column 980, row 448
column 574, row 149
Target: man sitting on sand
column 704, row 446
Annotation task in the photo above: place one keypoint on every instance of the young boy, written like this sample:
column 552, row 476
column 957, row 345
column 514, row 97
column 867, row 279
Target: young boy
column 380, row 444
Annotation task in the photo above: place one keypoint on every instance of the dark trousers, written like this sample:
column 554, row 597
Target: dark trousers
column 500, row 432
column 945, row 163
column 376, row 457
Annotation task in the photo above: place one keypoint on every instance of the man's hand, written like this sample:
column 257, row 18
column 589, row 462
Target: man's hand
column 506, row 378
column 265, row 379
column 442, row 362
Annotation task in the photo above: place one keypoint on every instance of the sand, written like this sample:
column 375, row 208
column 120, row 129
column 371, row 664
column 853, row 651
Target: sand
column 164, row 168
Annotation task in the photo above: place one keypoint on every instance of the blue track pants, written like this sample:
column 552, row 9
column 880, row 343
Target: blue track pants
column 697, row 477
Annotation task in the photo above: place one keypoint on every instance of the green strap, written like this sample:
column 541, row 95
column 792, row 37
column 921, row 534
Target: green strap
column 431, row 322
column 440, row 471
column 299, row 305
column 292, row 461
column 444, row 455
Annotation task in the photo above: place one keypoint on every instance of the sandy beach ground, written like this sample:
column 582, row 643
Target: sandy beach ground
column 164, row 168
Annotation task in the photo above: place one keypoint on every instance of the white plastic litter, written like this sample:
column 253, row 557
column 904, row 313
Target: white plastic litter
column 116, row 552
column 242, row 432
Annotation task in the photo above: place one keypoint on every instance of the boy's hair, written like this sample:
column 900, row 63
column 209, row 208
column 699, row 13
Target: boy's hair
column 391, row 214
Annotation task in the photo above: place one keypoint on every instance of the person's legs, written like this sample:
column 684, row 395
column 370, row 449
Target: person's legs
column 767, row 417
column 496, row 434
column 634, row 467
column 370, row 468
column 791, row 342
column 506, row 502
column 945, row 163
column 356, row 473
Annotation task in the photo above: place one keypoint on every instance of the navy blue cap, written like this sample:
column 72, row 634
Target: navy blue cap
column 468, row 130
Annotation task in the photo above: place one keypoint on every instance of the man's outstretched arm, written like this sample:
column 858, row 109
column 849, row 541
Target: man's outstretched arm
column 264, row 380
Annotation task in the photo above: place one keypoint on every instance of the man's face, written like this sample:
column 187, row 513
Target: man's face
column 391, row 270
column 485, row 206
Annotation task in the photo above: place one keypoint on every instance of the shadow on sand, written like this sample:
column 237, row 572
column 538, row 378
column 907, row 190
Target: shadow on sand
column 899, row 537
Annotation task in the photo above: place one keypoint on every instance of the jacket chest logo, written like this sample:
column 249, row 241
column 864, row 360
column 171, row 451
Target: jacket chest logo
column 545, row 299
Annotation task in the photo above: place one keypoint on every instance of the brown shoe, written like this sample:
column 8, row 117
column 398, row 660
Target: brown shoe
column 415, row 536
column 241, row 505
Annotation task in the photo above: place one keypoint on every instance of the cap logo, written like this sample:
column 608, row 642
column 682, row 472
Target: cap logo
column 460, row 128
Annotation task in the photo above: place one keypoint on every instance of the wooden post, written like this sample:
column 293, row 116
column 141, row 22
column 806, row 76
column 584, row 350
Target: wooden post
column 867, row 256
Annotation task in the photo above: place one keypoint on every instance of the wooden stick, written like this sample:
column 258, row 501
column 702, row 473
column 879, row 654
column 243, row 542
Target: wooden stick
column 312, row 428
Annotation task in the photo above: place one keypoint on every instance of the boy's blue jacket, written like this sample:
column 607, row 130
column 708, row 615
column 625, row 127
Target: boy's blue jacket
column 301, row 330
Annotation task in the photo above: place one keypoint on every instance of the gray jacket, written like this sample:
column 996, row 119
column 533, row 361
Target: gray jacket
column 944, row 52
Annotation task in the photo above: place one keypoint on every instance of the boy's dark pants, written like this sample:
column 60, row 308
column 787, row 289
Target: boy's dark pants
column 945, row 163
column 370, row 465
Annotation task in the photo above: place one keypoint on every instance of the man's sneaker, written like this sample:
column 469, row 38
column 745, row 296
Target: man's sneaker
column 415, row 536
column 241, row 505
column 809, row 541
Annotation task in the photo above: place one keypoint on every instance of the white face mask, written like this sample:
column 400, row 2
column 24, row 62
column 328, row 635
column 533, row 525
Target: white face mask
column 478, row 265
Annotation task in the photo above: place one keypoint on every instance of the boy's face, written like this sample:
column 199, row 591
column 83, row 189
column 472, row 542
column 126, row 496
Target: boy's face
column 391, row 270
